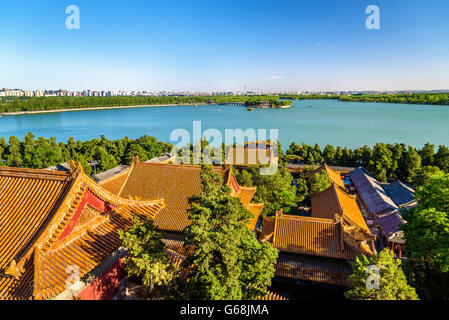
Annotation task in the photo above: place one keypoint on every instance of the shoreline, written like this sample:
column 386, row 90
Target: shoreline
column 98, row 108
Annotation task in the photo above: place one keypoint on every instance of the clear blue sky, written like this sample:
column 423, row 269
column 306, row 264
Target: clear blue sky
column 223, row 45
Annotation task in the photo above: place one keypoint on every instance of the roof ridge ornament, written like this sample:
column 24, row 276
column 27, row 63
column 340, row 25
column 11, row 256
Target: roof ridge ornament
column 338, row 218
column 14, row 270
column 75, row 168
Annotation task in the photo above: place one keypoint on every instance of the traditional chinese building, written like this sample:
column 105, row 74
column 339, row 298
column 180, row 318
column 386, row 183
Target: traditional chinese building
column 175, row 183
column 58, row 234
column 253, row 153
column 318, row 251
column 378, row 204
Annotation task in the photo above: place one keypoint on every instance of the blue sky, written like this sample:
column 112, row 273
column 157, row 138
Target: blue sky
column 201, row 45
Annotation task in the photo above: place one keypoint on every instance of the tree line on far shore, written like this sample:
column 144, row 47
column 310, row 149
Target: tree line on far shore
column 411, row 98
column 25, row 104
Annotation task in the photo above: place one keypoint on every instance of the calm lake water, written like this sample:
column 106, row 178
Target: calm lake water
column 348, row 124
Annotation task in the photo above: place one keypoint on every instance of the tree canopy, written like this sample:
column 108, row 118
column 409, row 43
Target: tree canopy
column 225, row 261
column 389, row 283
column 319, row 182
column 427, row 238
column 147, row 258
column 427, row 230
column 274, row 191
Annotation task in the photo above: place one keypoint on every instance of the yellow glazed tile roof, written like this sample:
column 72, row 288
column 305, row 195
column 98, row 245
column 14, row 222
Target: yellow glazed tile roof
column 44, row 212
column 176, row 183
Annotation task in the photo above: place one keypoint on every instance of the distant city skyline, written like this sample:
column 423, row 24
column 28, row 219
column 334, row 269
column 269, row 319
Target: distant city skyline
column 214, row 46
column 19, row 92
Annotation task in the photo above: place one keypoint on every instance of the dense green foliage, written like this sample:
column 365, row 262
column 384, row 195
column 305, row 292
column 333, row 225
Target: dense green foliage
column 319, row 182
column 427, row 238
column 396, row 161
column 146, row 257
column 392, row 283
column 227, row 261
column 309, row 96
column 412, row 98
column 42, row 153
column 274, row 101
column 274, row 191
column 60, row 103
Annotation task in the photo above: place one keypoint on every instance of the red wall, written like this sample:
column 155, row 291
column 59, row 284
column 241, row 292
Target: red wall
column 104, row 286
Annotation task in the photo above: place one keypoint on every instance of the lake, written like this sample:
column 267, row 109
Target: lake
column 350, row 124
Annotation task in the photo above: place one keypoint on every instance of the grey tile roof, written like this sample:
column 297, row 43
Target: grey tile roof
column 390, row 223
column 370, row 190
column 60, row 167
column 400, row 192
column 99, row 177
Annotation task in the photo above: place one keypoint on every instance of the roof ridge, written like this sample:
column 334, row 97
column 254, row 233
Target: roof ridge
column 256, row 204
column 114, row 176
column 179, row 165
column 107, row 196
column 247, row 188
column 303, row 218
column 33, row 173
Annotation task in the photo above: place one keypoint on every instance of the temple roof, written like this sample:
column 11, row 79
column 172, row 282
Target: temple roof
column 51, row 219
column 400, row 193
column 241, row 156
column 334, row 200
column 311, row 236
column 371, row 192
column 175, row 183
column 334, row 176
column 390, row 223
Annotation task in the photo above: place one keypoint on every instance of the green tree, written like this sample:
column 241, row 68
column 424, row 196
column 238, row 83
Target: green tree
column 329, row 154
column 392, row 283
column 427, row 154
column 225, row 261
column 29, row 147
column 398, row 161
column 338, row 158
column 3, row 146
column 319, row 182
column 412, row 164
column 423, row 175
column 363, row 155
column 105, row 160
column 147, row 258
column 275, row 191
column 442, row 158
column 14, row 153
column 427, row 228
column 135, row 150
column 381, row 162
column 427, row 237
